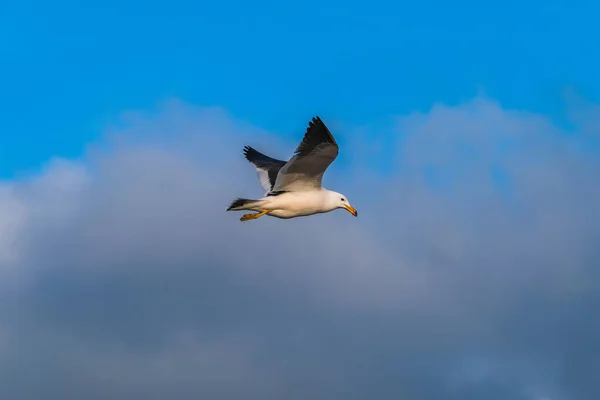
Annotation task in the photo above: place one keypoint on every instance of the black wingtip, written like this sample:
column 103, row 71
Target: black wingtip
column 249, row 152
column 315, row 121
column 316, row 133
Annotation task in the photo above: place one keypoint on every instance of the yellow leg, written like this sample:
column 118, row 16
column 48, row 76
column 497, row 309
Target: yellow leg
column 248, row 217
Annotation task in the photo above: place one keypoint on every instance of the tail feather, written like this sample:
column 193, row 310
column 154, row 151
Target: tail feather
column 238, row 204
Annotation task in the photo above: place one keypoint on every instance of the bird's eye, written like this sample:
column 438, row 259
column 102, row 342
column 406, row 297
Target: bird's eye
column 343, row 199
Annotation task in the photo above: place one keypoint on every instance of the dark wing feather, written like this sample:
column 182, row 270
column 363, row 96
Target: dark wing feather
column 313, row 156
column 317, row 134
column 265, row 164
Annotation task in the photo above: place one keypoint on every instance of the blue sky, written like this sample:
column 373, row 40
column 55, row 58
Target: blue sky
column 68, row 70
column 122, row 276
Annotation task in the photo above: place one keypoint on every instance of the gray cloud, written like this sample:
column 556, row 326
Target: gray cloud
column 472, row 271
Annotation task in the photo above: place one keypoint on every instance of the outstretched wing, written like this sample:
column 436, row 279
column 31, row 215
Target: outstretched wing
column 266, row 167
column 304, row 171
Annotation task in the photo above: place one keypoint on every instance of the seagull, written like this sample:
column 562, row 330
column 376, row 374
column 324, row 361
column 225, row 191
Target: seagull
column 293, row 188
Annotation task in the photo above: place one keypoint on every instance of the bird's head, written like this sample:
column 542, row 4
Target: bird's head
column 338, row 200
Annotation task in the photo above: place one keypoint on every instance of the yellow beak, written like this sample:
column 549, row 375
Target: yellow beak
column 352, row 210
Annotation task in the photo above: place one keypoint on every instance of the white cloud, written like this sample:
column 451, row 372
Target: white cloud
column 134, row 281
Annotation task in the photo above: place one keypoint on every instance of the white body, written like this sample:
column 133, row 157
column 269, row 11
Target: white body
column 298, row 203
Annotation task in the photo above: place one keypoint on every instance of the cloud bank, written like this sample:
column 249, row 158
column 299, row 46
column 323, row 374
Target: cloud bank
column 472, row 272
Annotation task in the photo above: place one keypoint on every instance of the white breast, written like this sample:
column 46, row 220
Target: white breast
column 296, row 204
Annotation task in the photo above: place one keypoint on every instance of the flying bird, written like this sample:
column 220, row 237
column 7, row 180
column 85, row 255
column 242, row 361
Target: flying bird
column 293, row 188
